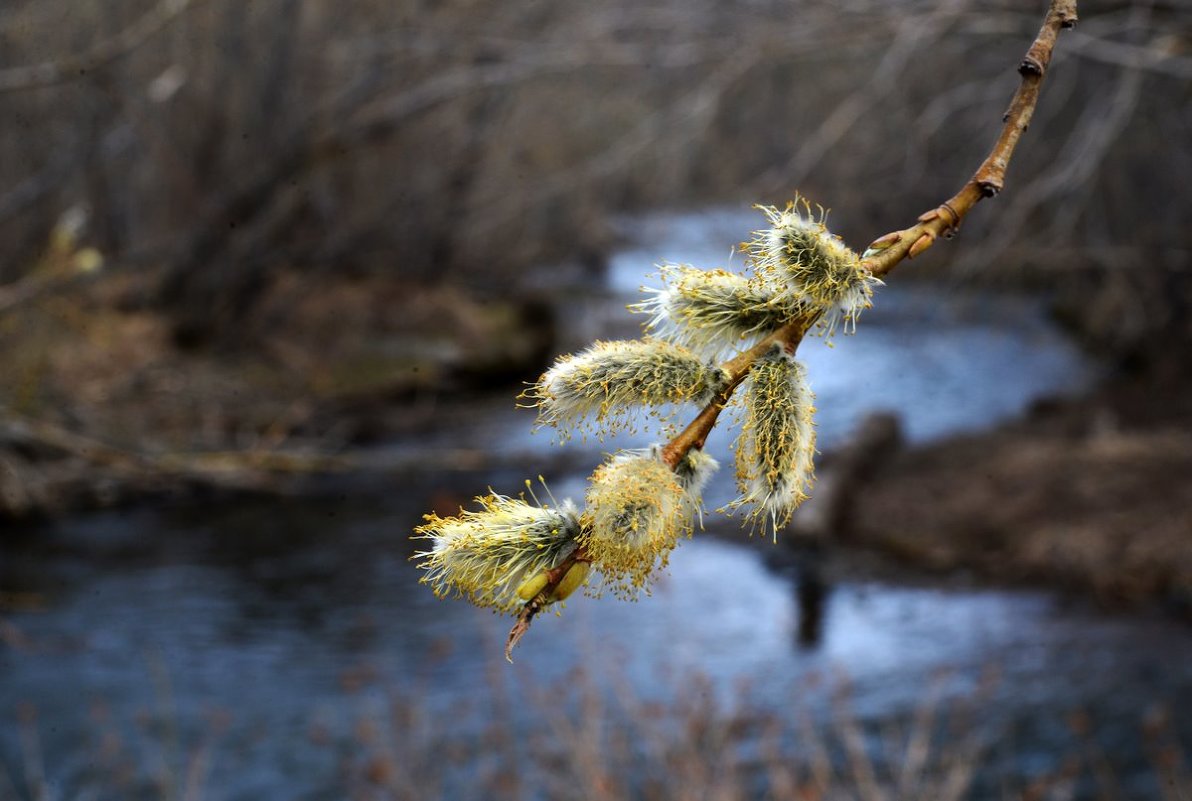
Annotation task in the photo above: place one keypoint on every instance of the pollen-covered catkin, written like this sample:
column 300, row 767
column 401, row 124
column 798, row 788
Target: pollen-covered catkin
column 821, row 271
column 775, row 453
column 487, row 556
column 715, row 311
column 637, row 510
column 612, row 379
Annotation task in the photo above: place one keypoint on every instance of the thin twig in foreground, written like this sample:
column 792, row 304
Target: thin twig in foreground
column 881, row 257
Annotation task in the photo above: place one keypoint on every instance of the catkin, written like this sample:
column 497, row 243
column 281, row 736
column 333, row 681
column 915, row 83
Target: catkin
column 487, row 555
column 820, row 270
column 637, row 510
column 775, row 452
column 610, row 380
column 715, row 311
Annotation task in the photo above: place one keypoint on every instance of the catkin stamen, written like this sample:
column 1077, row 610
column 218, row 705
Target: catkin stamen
column 638, row 508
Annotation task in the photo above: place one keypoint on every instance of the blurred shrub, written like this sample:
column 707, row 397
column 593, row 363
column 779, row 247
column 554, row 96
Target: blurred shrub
column 463, row 141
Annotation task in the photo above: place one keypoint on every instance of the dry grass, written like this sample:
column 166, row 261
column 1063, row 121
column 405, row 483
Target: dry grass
column 575, row 739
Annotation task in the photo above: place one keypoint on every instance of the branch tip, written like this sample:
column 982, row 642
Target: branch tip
column 521, row 627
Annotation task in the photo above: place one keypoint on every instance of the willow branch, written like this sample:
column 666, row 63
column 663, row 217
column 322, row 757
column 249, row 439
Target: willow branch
column 989, row 179
column 881, row 257
column 888, row 251
column 554, row 577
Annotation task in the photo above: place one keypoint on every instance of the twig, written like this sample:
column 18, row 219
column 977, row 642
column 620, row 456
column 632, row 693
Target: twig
column 881, row 257
column 888, row 251
column 541, row 600
column 49, row 73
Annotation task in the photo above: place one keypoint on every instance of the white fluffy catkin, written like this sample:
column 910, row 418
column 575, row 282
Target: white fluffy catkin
column 486, row 555
column 776, row 449
column 715, row 311
column 611, row 380
column 821, row 271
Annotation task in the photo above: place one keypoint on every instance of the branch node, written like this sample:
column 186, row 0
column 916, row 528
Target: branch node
column 1067, row 14
column 1031, row 66
column 954, row 218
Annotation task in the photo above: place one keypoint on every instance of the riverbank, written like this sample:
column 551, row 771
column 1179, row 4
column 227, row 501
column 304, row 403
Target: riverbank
column 102, row 408
column 1088, row 493
column 1092, row 494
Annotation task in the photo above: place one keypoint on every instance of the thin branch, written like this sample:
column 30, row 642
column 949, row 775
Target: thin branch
column 881, row 257
column 888, row 251
column 1098, row 128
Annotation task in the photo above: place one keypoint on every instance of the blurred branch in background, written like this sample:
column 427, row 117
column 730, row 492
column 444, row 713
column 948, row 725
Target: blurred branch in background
column 246, row 139
column 358, row 201
column 48, row 73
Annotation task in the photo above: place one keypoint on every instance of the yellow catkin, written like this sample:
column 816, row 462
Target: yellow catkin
column 637, row 510
column 715, row 311
column 776, row 449
column 611, row 380
column 492, row 556
column 820, row 270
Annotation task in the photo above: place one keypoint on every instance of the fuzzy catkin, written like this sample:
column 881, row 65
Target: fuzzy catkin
column 486, row 555
column 776, row 449
column 637, row 510
column 715, row 311
column 820, row 270
column 693, row 473
column 610, row 380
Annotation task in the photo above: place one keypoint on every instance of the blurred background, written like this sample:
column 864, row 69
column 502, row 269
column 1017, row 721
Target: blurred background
column 273, row 271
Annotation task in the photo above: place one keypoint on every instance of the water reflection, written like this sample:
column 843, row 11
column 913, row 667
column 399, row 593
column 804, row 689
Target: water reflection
column 335, row 616
column 811, row 593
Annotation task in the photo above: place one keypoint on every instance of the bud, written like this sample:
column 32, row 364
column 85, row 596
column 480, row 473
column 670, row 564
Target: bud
column 611, row 379
column 576, row 575
column 775, row 453
column 532, row 586
column 820, row 270
column 715, row 311
column 493, row 556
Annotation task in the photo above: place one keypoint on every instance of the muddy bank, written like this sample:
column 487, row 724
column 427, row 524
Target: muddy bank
column 1093, row 494
column 103, row 408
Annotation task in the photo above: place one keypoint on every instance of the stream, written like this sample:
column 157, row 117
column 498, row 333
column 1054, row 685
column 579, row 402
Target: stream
column 260, row 633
